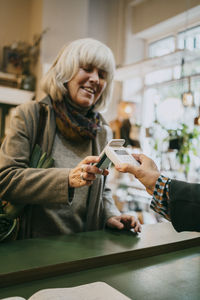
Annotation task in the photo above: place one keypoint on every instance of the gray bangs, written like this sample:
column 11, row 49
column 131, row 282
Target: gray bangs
column 98, row 56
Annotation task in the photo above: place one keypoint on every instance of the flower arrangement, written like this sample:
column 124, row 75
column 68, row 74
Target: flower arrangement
column 22, row 55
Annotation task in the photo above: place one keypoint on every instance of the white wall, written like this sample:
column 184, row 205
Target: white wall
column 134, row 46
column 66, row 20
column 72, row 19
column 106, row 23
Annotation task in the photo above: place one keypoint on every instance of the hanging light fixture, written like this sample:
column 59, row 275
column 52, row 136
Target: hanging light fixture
column 126, row 109
column 188, row 97
column 197, row 119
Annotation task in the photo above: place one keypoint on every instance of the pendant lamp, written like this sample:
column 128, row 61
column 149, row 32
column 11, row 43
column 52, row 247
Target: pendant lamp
column 197, row 119
column 188, row 97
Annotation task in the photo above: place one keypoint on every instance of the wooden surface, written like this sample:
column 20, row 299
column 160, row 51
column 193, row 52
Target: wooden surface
column 32, row 259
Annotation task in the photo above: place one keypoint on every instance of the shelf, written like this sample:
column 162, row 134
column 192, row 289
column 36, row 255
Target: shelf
column 150, row 65
column 10, row 80
column 14, row 96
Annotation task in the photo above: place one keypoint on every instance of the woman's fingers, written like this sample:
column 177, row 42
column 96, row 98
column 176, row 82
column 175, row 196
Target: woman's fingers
column 90, row 160
column 124, row 222
column 85, row 172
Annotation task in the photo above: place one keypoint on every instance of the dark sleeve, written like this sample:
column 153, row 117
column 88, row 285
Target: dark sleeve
column 185, row 205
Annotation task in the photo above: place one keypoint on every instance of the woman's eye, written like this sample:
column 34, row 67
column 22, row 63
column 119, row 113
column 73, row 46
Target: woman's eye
column 87, row 68
column 102, row 74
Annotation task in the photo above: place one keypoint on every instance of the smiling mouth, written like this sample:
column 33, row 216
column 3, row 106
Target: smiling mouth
column 89, row 90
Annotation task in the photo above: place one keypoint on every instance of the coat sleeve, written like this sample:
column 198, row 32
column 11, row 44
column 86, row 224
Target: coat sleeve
column 185, row 205
column 18, row 182
column 110, row 208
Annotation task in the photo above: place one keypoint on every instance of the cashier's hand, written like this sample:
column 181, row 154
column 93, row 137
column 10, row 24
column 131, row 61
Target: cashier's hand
column 147, row 173
column 124, row 222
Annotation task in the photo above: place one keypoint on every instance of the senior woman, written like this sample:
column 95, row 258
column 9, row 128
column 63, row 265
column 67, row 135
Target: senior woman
column 68, row 197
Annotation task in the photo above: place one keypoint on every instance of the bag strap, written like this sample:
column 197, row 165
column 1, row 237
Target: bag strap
column 41, row 124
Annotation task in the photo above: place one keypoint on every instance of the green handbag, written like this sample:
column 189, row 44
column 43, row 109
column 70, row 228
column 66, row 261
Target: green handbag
column 10, row 213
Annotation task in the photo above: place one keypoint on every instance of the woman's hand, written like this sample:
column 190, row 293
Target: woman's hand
column 85, row 172
column 124, row 222
column 147, row 173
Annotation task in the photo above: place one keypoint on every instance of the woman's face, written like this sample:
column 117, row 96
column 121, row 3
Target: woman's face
column 87, row 86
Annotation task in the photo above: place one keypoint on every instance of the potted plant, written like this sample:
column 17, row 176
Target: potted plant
column 183, row 140
column 20, row 58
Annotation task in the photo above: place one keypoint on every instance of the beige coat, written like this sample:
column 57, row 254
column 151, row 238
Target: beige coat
column 35, row 187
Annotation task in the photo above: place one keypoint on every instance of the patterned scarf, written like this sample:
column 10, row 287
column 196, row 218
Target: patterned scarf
column 75, row 123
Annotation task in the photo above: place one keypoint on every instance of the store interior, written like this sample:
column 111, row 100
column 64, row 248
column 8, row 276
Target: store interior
column 155, row 105
column 155, row 108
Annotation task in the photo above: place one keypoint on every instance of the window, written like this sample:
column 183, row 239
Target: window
column 189, row 39
column 162, row 47
column 158, row 76
column 167, row 83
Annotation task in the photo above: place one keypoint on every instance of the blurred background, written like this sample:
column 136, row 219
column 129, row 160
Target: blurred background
column 156, row 99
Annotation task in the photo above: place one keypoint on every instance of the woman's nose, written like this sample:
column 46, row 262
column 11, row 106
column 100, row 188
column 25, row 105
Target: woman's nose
column 94, row 76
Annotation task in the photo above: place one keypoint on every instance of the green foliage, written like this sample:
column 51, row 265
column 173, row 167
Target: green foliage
column 186, row 140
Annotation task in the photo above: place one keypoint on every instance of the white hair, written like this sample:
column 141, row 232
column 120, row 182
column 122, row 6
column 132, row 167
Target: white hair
column 79, row 53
